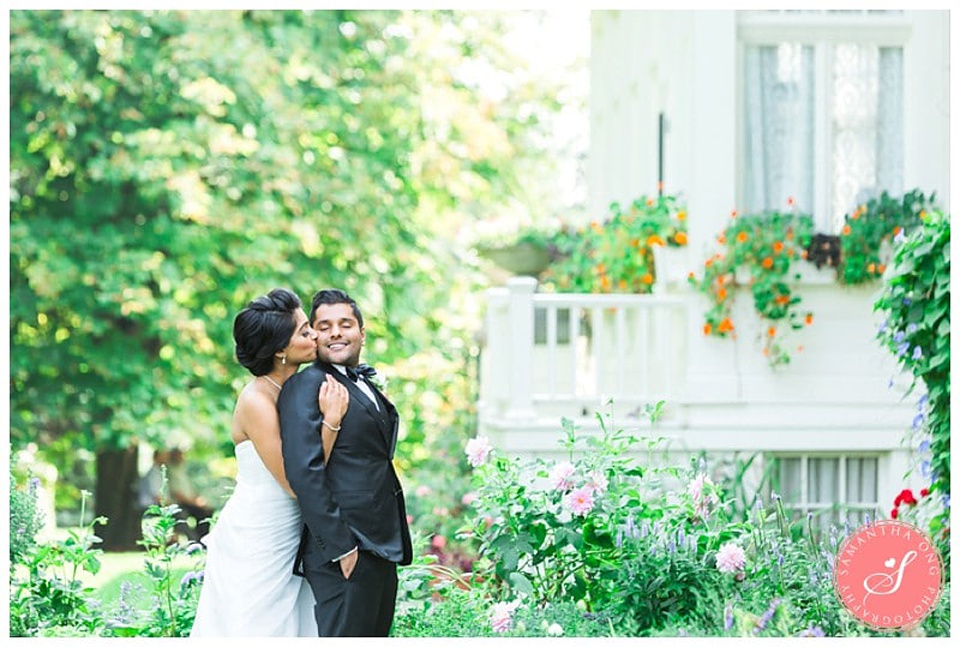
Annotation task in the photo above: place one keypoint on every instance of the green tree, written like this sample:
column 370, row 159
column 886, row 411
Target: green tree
column 167, row 166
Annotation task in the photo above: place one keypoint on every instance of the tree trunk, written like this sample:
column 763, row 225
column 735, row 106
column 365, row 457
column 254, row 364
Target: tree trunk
column 116, row 499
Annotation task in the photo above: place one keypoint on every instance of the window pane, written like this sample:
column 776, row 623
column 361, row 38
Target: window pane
column 823, row 480
column 867, row 126
column 778, row 128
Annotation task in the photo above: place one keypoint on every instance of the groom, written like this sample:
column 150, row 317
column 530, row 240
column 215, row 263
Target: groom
column 355, row 522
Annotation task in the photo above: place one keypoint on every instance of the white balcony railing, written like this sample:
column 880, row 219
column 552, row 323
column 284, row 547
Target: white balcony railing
column 563, row 354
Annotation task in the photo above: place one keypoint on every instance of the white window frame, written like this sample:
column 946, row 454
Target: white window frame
column 802, row 505
column 822, row 30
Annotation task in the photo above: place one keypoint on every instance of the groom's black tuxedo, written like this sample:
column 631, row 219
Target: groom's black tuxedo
column 352, row 500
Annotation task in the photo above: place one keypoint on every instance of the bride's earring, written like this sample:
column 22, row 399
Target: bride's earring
column 283, row 359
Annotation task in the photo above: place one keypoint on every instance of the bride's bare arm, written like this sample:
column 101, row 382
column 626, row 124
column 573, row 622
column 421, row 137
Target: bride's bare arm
column 333, row 400
column 260, row 422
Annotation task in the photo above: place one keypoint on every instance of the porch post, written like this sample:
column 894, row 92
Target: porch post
column 519, row 338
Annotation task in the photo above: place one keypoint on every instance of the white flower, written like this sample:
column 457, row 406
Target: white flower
column 731, row 558
column 703, row 499
column 501, row 617
column 477, row 451
column 598, row 482
column 554, row 630
column 561, row 476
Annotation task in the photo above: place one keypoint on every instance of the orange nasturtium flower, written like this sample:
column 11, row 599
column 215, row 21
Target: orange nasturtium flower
column 722, row 239
column 880, row 268
column 733, row 214
column 654, row 240
column 742, row 237
column 896, row 230
column 721, row 294
column 771, row 331
column 846, row 230
column 646, row 279
column 681, row 238
column 650, row 202
column 871, row 268
column 782, row 300
column 605, row 283
column 790, row 201
column 809, row 318
column 691, row 276
column 681, row 215
column 725, row 326
column 622, row 284
column 777, row 247
column 707, row 328
column 767, row 263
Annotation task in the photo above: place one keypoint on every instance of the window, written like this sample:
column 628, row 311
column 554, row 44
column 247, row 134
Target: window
column 835, row 488
column 822, row 110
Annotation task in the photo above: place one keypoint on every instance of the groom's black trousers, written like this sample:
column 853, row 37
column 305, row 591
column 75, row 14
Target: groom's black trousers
column 361, row 606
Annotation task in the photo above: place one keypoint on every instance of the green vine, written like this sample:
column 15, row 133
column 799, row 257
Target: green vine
column 766, row 245
column 916, row 302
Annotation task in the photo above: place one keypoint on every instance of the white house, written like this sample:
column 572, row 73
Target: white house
column 738, row 110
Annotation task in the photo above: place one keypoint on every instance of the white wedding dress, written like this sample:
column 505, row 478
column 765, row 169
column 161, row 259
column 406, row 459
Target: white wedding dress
column 249, row 588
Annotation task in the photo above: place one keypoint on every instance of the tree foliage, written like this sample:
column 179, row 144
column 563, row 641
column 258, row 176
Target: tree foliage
column 168, row 166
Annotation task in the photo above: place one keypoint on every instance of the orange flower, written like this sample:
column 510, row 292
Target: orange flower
column 742, row 237
column 635, row 242
column 622, row 284
column 681, row 238
column 846, row 230
column 596, row 226
column 767, row 263
column 790, row 252
column 708, row 262
column 856, row 214
column 605, row 283
column 790, row 201
column 706, row 329
column 789, row 234
column 646, row 279
column 771, row 331
column 777, row 247
column 782, row 300
column 691, row 276
column 800, row 348
column 681, row 215
column 803, row 254
column 809, row 318
column 725, row 326
column 721, row 294
column 896, row 230
column 650, row 202
column 871, row 268
column 654, row 240
column 766, row 352
column 733, row 214
column 880, row 268
column 601, row 269
column 722, row 239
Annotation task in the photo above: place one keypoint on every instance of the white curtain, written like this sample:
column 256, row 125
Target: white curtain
column 865, row 128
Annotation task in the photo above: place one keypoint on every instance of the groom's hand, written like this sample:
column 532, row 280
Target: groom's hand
column 348, row 563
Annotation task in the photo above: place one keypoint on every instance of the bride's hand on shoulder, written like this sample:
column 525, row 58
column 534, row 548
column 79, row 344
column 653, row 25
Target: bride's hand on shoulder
column 333, row 400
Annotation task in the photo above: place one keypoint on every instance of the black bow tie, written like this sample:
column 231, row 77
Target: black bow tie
column 354, row 372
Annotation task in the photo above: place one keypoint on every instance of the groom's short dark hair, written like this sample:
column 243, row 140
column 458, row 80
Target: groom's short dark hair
column 331, row 296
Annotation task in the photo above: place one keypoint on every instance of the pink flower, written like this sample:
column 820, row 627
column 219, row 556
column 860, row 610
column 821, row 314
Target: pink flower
column 598, row 482
column 703, row 499
column 423, row 490
column 501, row 618
column 468, row 498
column 561, row 476
column 439, row 542
column 478, row 450
column 731, row 558
column 580, row 501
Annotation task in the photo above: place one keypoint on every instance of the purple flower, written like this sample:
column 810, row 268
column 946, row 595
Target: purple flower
column 923, row 400
column 814, row 631
column 190, row 577
column 917, row 421
column 33, row 484
column 925, row 468
column 924, row 445
column 911, row 328
column 767, row 615
column 899, row 336
column 882, row 327
column 728, row 618
column 902, row 349
column 917, row 353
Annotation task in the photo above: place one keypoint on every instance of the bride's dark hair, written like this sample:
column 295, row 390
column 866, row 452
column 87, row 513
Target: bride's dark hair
column 264, row 327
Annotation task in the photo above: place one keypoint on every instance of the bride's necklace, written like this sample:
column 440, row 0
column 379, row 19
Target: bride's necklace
column 271, row 381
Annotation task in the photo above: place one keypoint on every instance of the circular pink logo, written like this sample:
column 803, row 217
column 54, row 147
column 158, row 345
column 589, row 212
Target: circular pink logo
column 888, row 574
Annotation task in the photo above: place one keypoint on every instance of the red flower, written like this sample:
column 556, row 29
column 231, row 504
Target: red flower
column 924, row 492
column 893, row 513
column 905, row 496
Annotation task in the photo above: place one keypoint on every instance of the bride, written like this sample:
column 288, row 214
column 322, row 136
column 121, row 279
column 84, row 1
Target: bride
column 249, row 588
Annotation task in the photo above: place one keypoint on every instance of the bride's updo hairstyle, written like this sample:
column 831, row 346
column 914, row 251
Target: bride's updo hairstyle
column 264, row 328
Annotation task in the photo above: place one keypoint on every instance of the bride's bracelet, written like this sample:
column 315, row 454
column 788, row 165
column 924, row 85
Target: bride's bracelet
column 330, row 427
